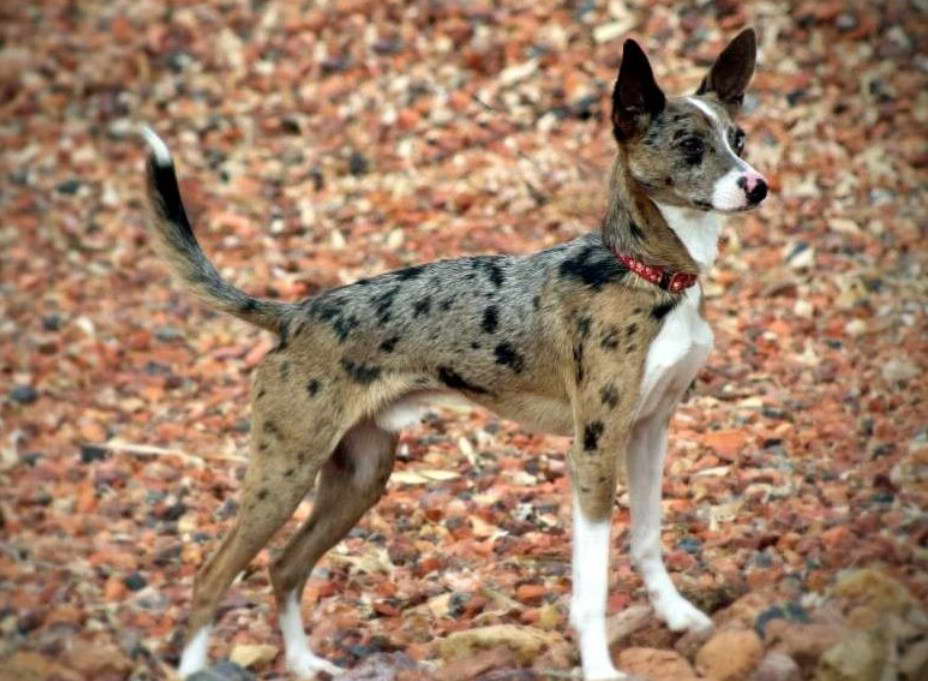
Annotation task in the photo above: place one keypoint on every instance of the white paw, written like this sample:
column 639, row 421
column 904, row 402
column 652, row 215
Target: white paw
column 681, row 615
column 305, row 665
column 193, row 657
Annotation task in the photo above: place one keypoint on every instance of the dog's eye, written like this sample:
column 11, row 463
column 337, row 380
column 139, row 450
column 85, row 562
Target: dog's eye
column 737, row 141
column 692, row 148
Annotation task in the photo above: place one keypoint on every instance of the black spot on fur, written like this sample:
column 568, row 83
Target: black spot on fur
column 270, row 427
column 610, row 339
column 658, row 312
column 475, row 346
column 446, row 304
column 262, row 447
column 288, row 472
column 490, row 319
column 507, row 356
column 583, row 326
column 630, row 330
column 313, row 387
column 536, row 302
column 360, row 372
column 422, row 307
column 249, row 305
column 453, row 379
column 409, row 272
column 490, row 265
column 591, row 271
column 383, row 303
column 343, row 326
column 591, row 435
column 578, row 363
column 389, row 344
column 609, row 395
column 636, row 230
column 631, row 348
column 262, row 495
column 261, row 393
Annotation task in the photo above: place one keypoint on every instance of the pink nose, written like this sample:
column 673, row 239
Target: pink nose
column 755, row 186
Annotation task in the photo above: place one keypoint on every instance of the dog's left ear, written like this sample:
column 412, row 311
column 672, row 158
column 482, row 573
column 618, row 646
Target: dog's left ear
column 730, row 74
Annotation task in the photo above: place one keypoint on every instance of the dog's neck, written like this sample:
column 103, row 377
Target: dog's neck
column 671, row 237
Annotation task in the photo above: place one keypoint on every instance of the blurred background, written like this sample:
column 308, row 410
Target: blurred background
column 319, row 142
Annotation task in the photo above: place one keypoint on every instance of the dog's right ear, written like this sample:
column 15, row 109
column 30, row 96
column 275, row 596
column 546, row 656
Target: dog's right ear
column 636, row 97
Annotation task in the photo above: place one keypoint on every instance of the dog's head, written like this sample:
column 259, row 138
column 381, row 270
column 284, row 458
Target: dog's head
column 687, row 151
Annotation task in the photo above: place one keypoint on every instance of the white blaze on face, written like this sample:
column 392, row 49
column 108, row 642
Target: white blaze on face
column 730, row 191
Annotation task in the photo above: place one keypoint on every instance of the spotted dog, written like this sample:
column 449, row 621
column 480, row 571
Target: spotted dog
column 597, row 338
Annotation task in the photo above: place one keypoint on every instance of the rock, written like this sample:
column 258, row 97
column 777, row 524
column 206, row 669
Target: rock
column 656, row 665
column 730, row 655
column 777, row 666
column 526, row 642
column 224, row 670
column 914, row 661
column 249, row 655
column 24, row 394
column 27, row 665
column 381, row 667
column 627, row 621
column 861, row 656
column 467, row 668
column 875, row 589
column 804, row 642
column 747, row 609
column 98, row 658
column 899, row 370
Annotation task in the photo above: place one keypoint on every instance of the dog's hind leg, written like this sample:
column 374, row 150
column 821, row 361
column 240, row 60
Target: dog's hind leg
column 281, row 471
column 351, row 481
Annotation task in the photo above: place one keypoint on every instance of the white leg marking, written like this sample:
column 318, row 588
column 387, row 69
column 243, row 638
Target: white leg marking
column 588, row 600
column 300, row 659
column 645, row 468
column 193, row 659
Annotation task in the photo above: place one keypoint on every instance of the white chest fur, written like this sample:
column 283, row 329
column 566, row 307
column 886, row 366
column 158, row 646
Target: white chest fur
column 676, row 355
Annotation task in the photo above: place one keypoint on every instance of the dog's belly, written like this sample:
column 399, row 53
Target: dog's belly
column 676, row 355
column 544, row 414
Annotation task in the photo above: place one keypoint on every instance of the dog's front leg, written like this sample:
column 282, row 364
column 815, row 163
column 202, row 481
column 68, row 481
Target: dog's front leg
column 645, row 460
column 593, row 465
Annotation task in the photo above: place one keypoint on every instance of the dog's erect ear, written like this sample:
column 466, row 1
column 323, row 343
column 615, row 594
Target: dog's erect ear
column 636, row 97
column 730, row 74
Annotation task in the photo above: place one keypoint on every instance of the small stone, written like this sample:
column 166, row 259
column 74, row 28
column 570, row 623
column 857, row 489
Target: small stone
column 168, row 334
column 899, row 370
column 656, row 665
column 358, row 164
column 90, row 453
column 24, row 394
column 777, row 666
column 69, row 187
column 224, row 670
column 612, row 30
column 250, row 655
column 135, row 582
column 730, row 655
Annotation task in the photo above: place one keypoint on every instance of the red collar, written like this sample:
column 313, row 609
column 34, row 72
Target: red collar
column 671, row 281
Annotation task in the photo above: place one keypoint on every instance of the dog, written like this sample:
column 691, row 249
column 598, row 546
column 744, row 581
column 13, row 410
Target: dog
column 597, row 338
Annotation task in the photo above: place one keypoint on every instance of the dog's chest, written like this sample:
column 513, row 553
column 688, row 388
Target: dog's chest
column 674, row 357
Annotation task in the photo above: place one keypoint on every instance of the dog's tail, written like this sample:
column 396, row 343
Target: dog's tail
column 175, row 240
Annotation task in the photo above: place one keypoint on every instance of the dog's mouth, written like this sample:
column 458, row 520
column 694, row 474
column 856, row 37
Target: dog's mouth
column 707, row 207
